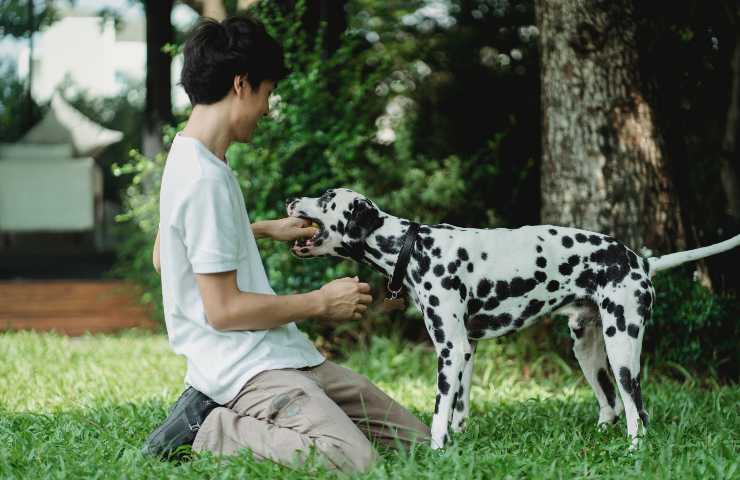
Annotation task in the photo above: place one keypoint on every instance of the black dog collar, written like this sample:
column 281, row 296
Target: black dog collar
column 395, row 284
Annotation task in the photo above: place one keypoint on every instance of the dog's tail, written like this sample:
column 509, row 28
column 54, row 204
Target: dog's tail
column 674, row 259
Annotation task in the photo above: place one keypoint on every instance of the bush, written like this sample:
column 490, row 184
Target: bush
column 692, row 327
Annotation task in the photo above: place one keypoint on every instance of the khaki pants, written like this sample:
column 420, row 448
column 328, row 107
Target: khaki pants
column 281, row 415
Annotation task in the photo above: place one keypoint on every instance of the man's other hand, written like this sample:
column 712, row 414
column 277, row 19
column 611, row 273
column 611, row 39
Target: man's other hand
column 346, row 298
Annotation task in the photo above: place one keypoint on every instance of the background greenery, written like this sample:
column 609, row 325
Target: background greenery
column 471, row 163
column 461, row 94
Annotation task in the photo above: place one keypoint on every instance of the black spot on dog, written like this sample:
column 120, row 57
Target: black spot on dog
column 565, row 269
column 474, row 305
column 484, row 255
column 611, row 331
column 484, row 287
column 467, row 357
column 619, row 314
column 552, row 301
column 428, row 242
column 539, row 249
column 436, row 403
column 491, row 303
column 581, row 238
column 635, row 276
column 439, row 335
column 427, row 285
column 567, row 241
column 451, row 283
column 540, row 276
column 470, row 267
column 633, row 330
column 445, row 352
column 433, row 300
column 452, row 267
column 437, row 252
column 594, row 239
column 552, row 231
column 632, row 386
column 606, row 386
column 541, row 262
column 502, row 289
column 573, row 260
column 644, row 301
column 462, row 254
column 436, row 319
column 439, row 270
column 442, row 384
column 553, row 285
column 533, row 308
column 519, row 286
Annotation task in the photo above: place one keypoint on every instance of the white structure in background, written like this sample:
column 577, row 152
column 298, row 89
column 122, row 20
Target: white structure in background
column 98, row 59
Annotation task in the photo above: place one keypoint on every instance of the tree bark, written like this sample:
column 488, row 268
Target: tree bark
column 728, row 158
column 603, row 166
column 158, row 109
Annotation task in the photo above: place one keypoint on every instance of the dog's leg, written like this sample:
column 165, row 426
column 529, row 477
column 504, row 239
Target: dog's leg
column 450, row 365
column 624, row 317
column 462, row 405
column 589, row 349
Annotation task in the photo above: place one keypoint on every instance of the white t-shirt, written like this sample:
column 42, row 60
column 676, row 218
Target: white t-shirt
column 204, row 228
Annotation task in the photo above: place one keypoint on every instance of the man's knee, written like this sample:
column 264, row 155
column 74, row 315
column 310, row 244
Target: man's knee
column 356, row 456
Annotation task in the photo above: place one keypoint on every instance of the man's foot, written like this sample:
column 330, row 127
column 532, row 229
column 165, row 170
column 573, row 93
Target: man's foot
column 181, row 425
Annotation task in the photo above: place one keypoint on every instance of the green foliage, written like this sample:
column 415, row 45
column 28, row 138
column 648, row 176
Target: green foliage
column 16, row 116
column 693, row 327
column 103, row 395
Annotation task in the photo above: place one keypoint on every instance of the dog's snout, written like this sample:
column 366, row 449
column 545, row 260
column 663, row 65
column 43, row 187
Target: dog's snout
column 290, row 200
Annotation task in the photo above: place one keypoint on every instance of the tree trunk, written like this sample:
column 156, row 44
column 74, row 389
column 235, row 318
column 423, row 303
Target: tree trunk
column 158, row 109
column 603, row 165
column 728, row 158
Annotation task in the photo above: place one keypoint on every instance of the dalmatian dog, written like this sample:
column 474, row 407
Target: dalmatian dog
column 472, row 284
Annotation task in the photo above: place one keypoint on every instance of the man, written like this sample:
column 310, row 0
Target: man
column 255, row 381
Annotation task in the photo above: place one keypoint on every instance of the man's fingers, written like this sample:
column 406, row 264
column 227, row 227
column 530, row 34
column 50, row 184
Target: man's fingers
column 366, row 299
column 309, row 232
column 361, row 308
column 363, row 288
column 357, row 316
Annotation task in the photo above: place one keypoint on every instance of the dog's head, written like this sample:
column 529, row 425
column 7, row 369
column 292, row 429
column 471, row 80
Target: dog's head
column 344, row 219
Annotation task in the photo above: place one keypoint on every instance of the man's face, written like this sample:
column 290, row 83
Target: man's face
column 249, row 107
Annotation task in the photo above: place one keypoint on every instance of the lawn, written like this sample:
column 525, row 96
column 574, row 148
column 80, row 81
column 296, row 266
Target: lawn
column 81, row 408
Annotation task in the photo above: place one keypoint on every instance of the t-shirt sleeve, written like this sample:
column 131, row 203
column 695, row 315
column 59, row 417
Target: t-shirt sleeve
column 207, row 222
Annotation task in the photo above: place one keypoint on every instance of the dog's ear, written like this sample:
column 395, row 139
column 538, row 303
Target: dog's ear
column 364, row 219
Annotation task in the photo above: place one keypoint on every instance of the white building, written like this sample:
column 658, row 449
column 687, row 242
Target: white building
column 98, row 59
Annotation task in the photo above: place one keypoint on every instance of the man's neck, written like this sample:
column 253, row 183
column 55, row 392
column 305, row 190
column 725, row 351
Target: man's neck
column 209, row 125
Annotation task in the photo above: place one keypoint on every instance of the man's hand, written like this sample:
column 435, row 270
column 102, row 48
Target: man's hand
column 288, row 229
column 346, row 298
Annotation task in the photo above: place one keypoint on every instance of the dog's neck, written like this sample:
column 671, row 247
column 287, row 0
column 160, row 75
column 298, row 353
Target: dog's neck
column 383, row 246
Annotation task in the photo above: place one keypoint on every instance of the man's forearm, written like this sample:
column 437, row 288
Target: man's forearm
column 254, row 311
column 261, row 229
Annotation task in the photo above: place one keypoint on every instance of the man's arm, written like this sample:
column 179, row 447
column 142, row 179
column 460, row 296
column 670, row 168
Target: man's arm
column 228, row 308
column 155, row 254
column 285, row 229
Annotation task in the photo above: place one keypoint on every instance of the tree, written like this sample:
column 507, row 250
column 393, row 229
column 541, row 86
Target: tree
column 158, row 109
column 604, row 166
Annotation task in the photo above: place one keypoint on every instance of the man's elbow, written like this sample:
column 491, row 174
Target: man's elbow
column 219, row 320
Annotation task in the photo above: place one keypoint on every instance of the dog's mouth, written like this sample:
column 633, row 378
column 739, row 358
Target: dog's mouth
column 310, row 242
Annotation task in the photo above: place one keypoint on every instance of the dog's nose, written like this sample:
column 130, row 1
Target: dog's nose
column 290, row 200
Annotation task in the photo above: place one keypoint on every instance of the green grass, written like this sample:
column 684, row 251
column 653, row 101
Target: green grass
column 81, row 408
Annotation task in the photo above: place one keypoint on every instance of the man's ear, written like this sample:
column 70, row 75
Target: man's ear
column 240, row 83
